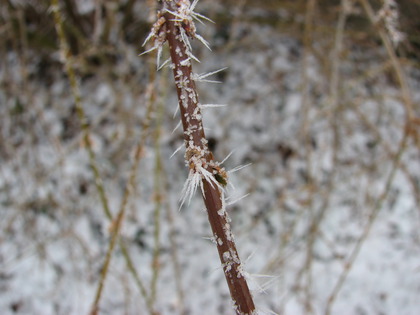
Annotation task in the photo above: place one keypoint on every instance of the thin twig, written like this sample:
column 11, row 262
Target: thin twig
column 372, row 217
column 68, row 64
column 406, row 95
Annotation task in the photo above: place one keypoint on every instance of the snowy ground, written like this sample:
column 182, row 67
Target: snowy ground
column 324, row 179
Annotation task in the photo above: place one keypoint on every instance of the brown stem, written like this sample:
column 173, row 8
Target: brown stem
column 195, row 138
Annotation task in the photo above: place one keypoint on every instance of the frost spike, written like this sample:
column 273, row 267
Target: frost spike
column 235, row 169
column 192, row 6
column 213, row 105
column 164, row 64
column 208, row 81
column 193, row 57
column 205, row 75
column 159, row 55
column 201, row 39
column 236, row 200
column 149, row 37
column 199, row 16
column 147, row 51
column 176, row 127
column 176, row 151
column 227, row 156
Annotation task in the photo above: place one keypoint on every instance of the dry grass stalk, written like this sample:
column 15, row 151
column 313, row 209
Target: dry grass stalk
column 116, row 221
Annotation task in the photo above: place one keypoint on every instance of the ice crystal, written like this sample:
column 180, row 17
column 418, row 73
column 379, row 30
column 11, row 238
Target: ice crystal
column 212, row 105
column 176, row 127
column 202, row 77
column 177, row 150
column 194, row 180
column 219, row 241
column 227, row 157
column 236, row 200
column 167, row 61
column 238, row 168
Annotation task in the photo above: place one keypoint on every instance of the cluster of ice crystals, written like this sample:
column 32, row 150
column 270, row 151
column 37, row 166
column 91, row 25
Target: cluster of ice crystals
column 186, row 15
column 184, row 19
column 158, row 33
column 227, row 258
column 228, row 232
column 240, row 271
column 390, row 15
column 196, row 160
column 219, row 241
column 216, row 240
column 230, row 258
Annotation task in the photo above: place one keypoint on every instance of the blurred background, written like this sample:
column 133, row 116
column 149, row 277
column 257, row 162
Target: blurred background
column 322, row 99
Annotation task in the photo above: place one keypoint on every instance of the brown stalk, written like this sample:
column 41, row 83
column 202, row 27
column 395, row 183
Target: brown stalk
column 195, row 138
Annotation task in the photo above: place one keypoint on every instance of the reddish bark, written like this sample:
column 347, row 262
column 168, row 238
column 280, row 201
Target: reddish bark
column 194, row 131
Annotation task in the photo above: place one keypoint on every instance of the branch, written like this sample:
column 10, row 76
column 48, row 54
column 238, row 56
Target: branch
column 175, row 25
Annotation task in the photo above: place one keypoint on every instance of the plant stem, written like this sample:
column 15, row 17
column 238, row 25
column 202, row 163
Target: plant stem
column 195, row 138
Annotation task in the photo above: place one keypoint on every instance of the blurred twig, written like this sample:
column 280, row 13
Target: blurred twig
column 68, row 64
column 372, row 216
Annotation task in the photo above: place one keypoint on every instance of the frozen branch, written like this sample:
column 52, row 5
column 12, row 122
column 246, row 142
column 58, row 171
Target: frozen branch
column 175, row 24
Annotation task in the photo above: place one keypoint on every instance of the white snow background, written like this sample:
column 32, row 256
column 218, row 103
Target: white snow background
column 315, row 157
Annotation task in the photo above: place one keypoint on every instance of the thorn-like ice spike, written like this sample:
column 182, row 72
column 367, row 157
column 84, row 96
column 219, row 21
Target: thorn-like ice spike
column 176, row 151
column 213, row 105
column 235, row 169
column 147, row 51
column 201, row 39
column 236, row 200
